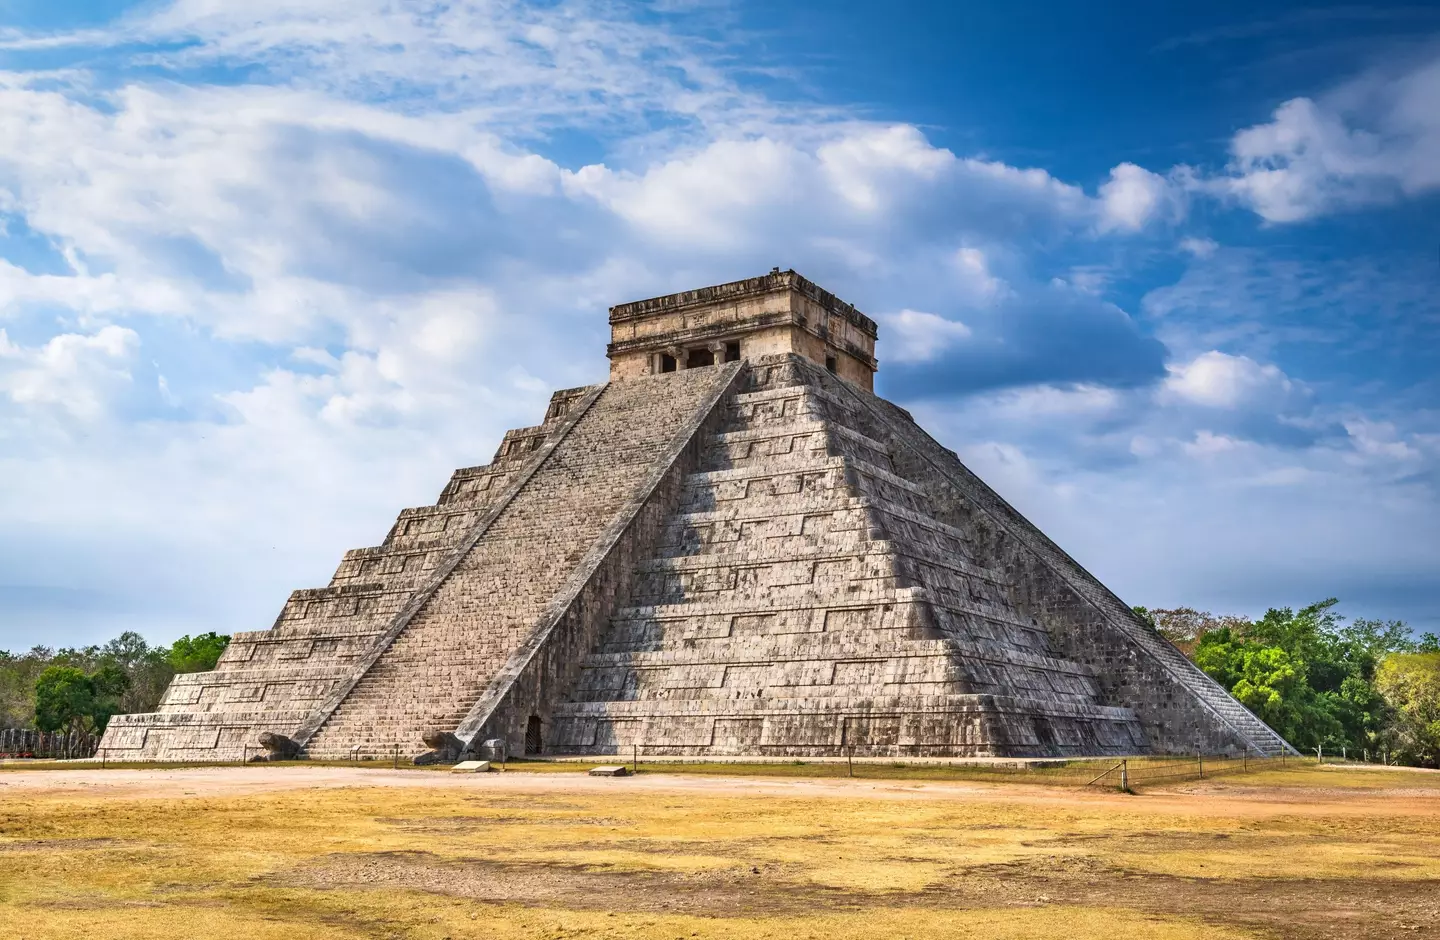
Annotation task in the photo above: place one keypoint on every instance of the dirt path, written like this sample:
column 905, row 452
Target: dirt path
column 1232, row 796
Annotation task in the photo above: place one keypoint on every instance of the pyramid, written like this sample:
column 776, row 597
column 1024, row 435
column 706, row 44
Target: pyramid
column 732, row 547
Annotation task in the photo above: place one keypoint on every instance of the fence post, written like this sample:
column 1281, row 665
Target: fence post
column 1201, row 759
column 850, row 759
column 395, row 756
column 634, row 758
column 1125, row 775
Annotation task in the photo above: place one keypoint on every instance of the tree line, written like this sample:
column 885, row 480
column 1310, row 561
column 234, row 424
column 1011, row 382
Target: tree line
column 1367, row 689
column 79, row 690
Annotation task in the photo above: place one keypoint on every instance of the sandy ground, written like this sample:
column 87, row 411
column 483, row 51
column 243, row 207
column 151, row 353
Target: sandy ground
column 365, row 852
column 236, row 781
column 1231, row 796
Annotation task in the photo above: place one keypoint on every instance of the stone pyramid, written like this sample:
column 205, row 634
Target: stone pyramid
column 733, row 547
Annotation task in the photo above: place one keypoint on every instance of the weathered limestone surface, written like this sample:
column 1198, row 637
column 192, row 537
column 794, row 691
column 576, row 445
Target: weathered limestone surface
column 776, row 313
column 804, row 601
column 755, row 556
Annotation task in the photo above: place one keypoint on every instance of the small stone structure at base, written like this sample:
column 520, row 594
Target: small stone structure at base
column 609, row 770
column 733, row 547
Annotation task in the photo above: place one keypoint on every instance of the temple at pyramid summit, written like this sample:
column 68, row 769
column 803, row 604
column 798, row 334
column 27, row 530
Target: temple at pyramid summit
column 731, row 547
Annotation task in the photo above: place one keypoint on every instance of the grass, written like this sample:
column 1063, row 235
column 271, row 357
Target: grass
column 1267, row 854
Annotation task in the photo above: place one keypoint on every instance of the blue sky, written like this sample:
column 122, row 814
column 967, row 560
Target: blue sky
column 1166, row 278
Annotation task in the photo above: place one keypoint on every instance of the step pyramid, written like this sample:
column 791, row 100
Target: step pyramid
column 733, row 547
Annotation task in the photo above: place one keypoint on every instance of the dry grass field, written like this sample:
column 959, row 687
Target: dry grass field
column 334, row 852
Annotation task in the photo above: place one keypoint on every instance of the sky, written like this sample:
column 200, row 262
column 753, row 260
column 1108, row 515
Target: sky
column 1167, row 279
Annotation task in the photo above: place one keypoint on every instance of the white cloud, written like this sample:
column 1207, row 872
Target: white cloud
column 975, row 277
column 1217, row 380
column 1373, row 140
column 863, row 166
column 1380, row 439
column 1370, row 141
column 1040, row 402
column 1134, row 197
column 915, row 336
column 1199, row 247
column 709, row 198
column 81, row 374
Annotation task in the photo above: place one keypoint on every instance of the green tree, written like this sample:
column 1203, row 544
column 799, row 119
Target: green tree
column 199, row 653
column 1308, row 673
column 18, row 672
column 109, row 683
column 64, row 699
column 1270, row 682
column 1411, row 683
column 148, row 668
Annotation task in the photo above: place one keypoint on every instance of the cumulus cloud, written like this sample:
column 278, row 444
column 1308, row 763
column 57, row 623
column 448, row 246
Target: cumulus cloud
column 975, row 276
column 80, row 374
column 865, row 166
column 1133, row 197
column 1371, row 141
column 914, row 336
column 1217, row 380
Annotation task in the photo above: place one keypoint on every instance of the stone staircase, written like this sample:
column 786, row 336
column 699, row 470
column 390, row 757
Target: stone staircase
column 269, row 680
column 474, row 619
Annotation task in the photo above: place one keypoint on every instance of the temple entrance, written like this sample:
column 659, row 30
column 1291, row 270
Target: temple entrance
column 533, row 742
column 700, row 357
